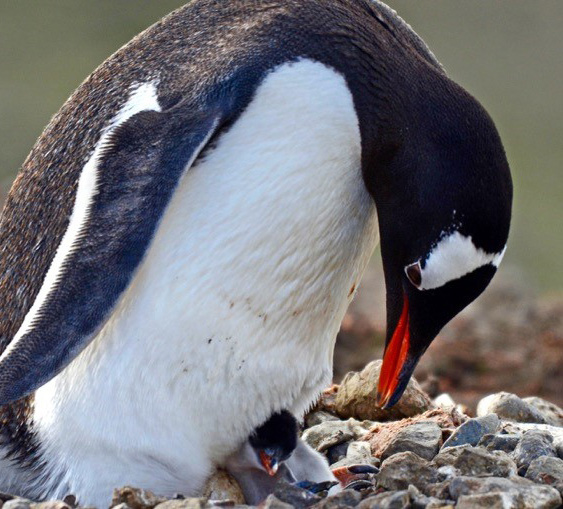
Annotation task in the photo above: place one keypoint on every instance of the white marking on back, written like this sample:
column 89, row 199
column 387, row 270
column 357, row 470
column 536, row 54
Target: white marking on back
column 234, row 310
column 143, row 98
column 453, row 257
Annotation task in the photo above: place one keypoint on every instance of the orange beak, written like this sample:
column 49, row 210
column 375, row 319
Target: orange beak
column 394, row 358
column 270, row 465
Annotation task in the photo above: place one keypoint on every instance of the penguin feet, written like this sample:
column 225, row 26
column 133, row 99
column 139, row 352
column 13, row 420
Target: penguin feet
column 357, row 477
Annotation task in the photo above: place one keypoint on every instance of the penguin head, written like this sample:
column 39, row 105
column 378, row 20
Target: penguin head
column 274, row 441
column 442, row 187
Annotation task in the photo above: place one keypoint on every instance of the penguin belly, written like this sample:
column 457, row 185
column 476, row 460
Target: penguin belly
column 234, row 311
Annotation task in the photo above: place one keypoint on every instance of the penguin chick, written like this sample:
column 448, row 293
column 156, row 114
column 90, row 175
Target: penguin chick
column 272, row 453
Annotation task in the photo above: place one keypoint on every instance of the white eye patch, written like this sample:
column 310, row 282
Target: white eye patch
column 452, row 258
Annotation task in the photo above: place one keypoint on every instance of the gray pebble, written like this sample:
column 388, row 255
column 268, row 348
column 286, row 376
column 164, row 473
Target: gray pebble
column 475, row 461
column 528, row 494
column 315, row 418
column 552, row 413
column 405, row 468
column 342, row 500
column 422, row 438
column 472, row 430
column 547, row 470
column 298, row 497
column 506, row 442
column 533, row 444
column 389, row 500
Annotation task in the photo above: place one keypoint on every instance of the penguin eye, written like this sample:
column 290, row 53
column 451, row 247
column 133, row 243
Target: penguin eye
column 414, row 273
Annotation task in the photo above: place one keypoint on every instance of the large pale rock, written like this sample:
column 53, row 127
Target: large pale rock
column 17, row 503
column 405, row 468
column 356, row 397
column 551, row 412
column 223, row 486
column 528, row 494
column 423, row 438
column 472, row 430
column 135, row 498
column 510, row 407
column 330, row 433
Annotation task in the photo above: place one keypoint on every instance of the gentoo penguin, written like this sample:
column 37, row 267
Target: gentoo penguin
column 181, row 245
column 274, row 452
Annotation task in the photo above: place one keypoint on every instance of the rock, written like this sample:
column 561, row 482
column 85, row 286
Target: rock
column 123, row 505
column 554, row 431
column 135, row 498
column 439, row 490
column 533, row 444
column 356, row 397
column 330, row 433
column 475, row 461
column 342, row 500
column 444, row 400
column 51, row 504
column 223, row 486
column 551, row 412
column 272, row 502
column 389, row 500
column 298, row 497
column 506, row 442
column 358, row 453
column 184, row 503
column 472, row 430
column 547, row 470
column 511, row 407
column 314, row 418
column 382, row 434
column 17, row 503
column 490, row 501
column 337, row 452
column 528, row 494
column 420, row 501
column 423, row 438
column 404, row 468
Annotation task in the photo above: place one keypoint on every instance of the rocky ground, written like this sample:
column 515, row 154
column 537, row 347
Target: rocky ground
column 451, row 441
column 428, row 454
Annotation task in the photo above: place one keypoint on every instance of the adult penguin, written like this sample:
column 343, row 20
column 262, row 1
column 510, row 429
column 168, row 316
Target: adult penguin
column 180, row 247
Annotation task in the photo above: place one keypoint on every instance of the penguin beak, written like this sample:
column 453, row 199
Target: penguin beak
column 269, row 461
column 398, row 365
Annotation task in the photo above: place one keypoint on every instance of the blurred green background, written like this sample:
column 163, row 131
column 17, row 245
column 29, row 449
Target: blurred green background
column 509, row 54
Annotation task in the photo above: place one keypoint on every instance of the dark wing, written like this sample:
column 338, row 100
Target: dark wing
column 138, row 170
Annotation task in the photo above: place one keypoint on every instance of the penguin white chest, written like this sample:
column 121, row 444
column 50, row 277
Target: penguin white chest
column 234, row 311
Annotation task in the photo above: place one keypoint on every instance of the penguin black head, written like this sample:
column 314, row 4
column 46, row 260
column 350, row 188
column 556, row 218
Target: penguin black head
column 275, row 440
column 441, row 183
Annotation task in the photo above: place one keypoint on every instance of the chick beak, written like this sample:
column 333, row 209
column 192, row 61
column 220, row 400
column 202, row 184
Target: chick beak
column 269, row 463
column 396, row 368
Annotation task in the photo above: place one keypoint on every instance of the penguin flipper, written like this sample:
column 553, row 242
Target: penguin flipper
column 136, row 172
